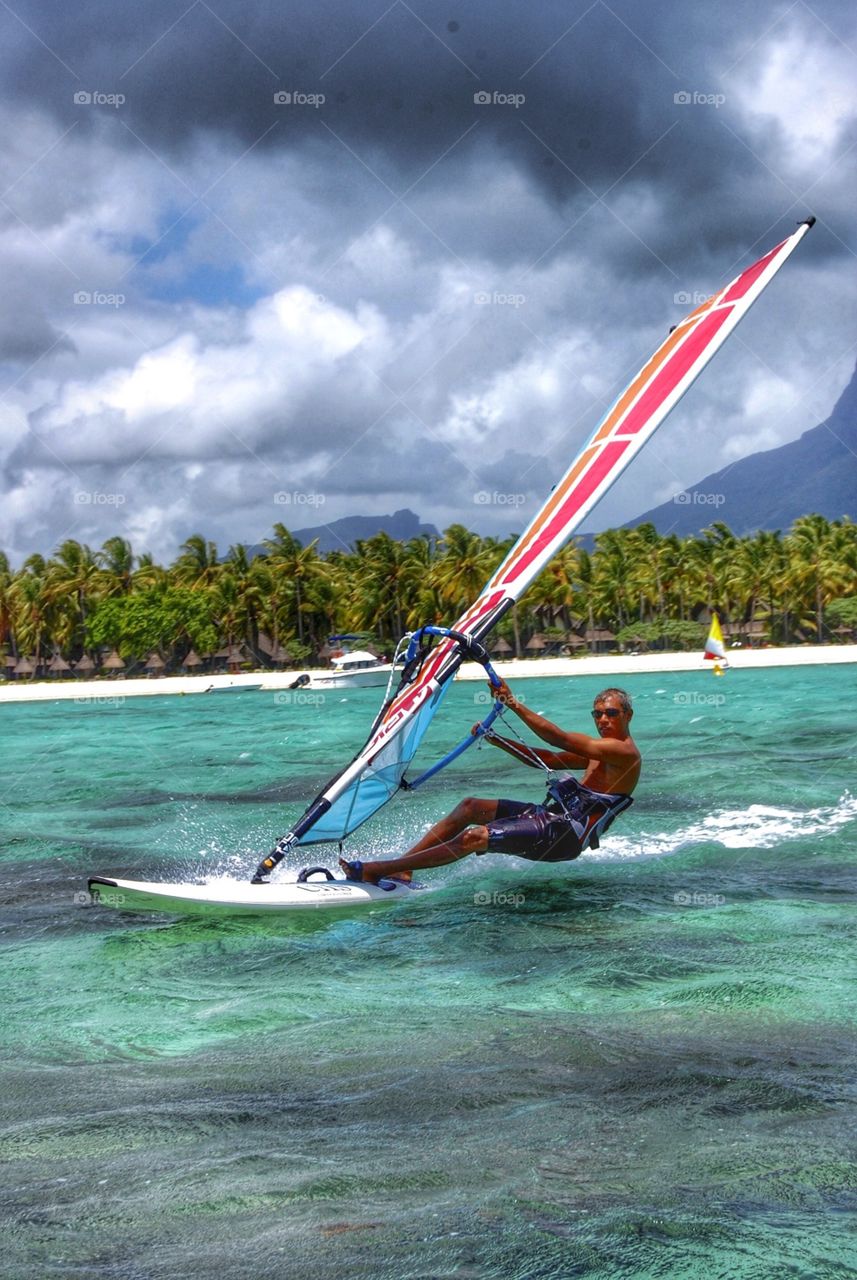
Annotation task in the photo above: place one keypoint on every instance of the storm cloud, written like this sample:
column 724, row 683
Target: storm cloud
column 399, row 254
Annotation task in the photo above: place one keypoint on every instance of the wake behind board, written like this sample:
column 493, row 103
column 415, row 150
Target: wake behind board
column 236, row 897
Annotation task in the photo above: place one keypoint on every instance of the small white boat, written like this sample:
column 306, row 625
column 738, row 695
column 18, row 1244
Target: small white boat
column 357, row 669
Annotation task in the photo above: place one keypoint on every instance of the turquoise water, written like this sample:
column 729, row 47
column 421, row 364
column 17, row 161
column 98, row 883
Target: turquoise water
column 640, row 1064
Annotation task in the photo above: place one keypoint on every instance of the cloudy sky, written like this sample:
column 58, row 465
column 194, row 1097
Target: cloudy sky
column 277, row 261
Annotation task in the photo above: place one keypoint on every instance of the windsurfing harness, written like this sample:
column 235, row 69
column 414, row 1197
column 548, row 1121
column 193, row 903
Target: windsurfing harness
column 589, row 812
column 571, row 820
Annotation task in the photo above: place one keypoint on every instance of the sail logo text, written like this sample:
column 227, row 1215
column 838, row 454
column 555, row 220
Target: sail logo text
column 683, row 99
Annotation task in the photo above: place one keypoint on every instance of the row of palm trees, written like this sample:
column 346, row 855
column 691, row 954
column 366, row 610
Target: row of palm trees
column 290, row 598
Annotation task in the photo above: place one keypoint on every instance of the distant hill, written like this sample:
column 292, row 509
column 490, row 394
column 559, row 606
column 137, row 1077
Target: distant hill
column 769, row 490
column 340, row 535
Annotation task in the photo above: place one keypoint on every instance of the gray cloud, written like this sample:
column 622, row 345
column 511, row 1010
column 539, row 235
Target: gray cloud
column 395, row 209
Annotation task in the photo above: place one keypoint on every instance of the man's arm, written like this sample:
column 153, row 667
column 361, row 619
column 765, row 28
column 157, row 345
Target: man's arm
column 579, row 745
column 533, row 755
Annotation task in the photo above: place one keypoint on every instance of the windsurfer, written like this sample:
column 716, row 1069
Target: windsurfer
column 573, row 816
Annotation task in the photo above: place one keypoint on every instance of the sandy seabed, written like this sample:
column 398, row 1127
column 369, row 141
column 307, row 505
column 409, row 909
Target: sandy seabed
column 614, row 664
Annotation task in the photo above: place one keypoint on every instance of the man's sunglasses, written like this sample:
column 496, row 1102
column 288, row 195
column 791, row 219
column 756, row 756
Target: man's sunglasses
column 606, row 711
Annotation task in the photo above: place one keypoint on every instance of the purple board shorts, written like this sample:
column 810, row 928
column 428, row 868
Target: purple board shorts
column 533, row 831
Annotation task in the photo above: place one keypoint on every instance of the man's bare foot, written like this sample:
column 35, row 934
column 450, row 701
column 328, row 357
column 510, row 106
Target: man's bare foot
column 371, row 872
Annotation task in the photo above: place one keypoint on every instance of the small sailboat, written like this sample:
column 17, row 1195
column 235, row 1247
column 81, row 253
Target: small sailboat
column 715, row 649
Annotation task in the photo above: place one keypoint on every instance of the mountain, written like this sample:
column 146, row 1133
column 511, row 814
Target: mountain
column 340, row 535
column 769, row 490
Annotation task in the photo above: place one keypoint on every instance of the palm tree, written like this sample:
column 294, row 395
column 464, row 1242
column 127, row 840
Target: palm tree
column 72, row 581
column 6, row 580
column 463, row 568
column 30, row 607
column 198, row 564
column 301, row 567
column 382, row 581
column 556, row 590
column 820, row 561
column 613, row 577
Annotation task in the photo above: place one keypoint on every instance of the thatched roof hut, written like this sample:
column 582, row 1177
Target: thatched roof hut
column 24, row 667
column 84, row 664
column 599, row 638
column 154, row 662
column 192, row 659
column 113, row 662
column 58, row 664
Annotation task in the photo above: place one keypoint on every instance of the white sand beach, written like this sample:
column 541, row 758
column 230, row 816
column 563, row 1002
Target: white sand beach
column 114, row 690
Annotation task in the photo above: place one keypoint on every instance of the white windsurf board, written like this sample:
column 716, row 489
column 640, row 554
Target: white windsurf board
column 237, row 897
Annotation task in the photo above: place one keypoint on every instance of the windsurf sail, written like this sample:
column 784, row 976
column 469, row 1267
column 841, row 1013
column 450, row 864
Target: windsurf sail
column 715, row 649
column 378, row 771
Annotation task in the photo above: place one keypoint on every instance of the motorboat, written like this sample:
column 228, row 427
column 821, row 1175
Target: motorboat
column 355, row 669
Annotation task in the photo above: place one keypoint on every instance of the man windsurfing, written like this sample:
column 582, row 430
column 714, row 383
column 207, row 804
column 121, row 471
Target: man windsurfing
column 570, row 820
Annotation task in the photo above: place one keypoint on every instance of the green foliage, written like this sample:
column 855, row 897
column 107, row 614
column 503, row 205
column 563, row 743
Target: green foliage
column 842, row 612
column 642, row 586
column 156, row 619
column 669, row 633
